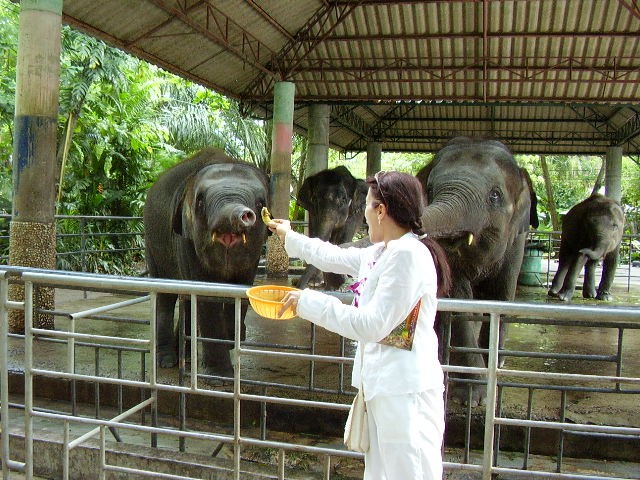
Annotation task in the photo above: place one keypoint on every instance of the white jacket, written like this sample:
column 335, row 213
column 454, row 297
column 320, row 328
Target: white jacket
column 396, row 277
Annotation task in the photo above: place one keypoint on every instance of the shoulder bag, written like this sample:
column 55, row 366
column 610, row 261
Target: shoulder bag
column 356, row 430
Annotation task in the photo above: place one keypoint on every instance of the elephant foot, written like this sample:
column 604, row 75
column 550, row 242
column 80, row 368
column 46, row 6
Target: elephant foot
column 604, row 296
column 468, row 395
column 588, row 294
column 217, row 376
column 552, row 293
column 167, row 359
column 564, row 295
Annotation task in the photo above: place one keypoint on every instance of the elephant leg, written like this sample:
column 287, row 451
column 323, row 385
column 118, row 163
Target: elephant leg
column 589, row 284
column 568, row 288
column 558, row 279
column 609, row 266
column 483, row 338
column 333, row 281
column 165, row 332
column 464, row 333
column 216, row 322
column 310, row 276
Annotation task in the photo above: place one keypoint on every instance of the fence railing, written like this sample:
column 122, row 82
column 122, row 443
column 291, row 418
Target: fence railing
column 110, row 349
column 91, row 243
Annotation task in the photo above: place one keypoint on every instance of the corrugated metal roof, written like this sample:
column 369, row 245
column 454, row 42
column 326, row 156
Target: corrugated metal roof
column 545, row 76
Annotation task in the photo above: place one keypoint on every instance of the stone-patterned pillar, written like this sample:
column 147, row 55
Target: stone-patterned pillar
column 32, row 229
column 281, row 148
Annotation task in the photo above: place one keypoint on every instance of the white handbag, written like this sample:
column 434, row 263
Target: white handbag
column 356, row 430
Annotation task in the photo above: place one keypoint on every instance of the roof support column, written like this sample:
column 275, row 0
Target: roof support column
column 613, row 174
column 318, row 138
column 32, row 233
column 281, row 148
column 374, row 158
column 318, row 144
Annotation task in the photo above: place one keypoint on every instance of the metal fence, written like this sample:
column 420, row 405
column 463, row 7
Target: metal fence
column 92, row 243
column 113, row 391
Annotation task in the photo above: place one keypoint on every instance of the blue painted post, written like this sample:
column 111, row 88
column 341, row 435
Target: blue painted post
column 32, row 233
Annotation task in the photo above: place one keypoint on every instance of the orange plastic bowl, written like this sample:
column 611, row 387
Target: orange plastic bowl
column 266, row 300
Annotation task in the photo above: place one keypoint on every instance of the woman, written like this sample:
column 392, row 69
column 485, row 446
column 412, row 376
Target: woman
column 403, row 388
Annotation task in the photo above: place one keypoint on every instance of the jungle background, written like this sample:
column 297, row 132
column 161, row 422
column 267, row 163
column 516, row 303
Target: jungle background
column 123, row 121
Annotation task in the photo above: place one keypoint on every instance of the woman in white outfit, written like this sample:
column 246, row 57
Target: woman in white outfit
column 403, row 388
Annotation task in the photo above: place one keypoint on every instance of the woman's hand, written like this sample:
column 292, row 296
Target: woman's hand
column 280, row 227
column 290, row 300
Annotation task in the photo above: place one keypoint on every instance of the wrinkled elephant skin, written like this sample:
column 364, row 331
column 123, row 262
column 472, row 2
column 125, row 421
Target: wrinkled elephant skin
column 335, row 200
column 202, row 222
column 479, row 208
column 591, row 231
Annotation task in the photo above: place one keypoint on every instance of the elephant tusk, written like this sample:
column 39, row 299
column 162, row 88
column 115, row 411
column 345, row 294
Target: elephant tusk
column 470, row 241
column 244, row 238
column 213, row 237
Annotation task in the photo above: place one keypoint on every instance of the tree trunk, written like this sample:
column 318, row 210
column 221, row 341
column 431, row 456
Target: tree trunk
column 551, row 203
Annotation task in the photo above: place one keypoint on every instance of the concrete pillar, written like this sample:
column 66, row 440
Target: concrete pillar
column 281, row 148
column 318, row 144
column 613, row 174
column 318, row 139
column 374, row 158
column 32, row 233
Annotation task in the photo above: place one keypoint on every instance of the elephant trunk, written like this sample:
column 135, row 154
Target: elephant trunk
column 442, row 220
column 322, row 228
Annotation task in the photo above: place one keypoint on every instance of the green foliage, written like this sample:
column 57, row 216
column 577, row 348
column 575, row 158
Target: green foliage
column 403, row 162
column 631, row 194
column 122, row 122
column 8, row 58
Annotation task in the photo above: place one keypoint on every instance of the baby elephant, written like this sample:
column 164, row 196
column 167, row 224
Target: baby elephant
column 591, row 230
column 201, row 221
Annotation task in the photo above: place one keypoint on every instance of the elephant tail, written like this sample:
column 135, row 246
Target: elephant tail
column 592, row 254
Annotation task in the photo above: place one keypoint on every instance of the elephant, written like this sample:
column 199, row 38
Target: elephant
column 202, row 222
column 480, row 205
column 335, row 200
column 591, row 230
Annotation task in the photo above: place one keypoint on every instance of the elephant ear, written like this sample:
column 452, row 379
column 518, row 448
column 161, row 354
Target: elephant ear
column 533, row 212
column 181, row 216
column 526, row 204
column 423, row 176
column 305, row 194
column 359, row 198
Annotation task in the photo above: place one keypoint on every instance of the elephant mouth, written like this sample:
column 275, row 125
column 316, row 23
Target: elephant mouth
column 456, row 241
column 228, row 239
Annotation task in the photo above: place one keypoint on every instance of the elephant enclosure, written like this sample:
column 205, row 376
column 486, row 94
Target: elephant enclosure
column 295, row 388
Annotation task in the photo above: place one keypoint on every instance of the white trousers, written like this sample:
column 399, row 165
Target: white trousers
column 406, row 434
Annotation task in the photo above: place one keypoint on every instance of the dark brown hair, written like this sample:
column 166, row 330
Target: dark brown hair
column 402, row 194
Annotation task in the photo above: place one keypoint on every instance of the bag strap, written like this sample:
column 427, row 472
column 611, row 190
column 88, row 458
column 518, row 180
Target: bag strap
column 361, row 348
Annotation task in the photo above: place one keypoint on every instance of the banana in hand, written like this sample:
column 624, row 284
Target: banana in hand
column 266, row 215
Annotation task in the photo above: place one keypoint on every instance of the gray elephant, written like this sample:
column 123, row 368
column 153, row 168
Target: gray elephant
column 335, row 200
column 480, row 206
column 592, row 230
column 202, row 222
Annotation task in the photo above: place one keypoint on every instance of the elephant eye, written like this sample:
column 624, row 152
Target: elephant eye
column 495, row 195
column 429, row 193
column 199, row 205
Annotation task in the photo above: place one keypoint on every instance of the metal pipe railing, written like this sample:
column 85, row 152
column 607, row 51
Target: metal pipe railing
column 620, row 318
